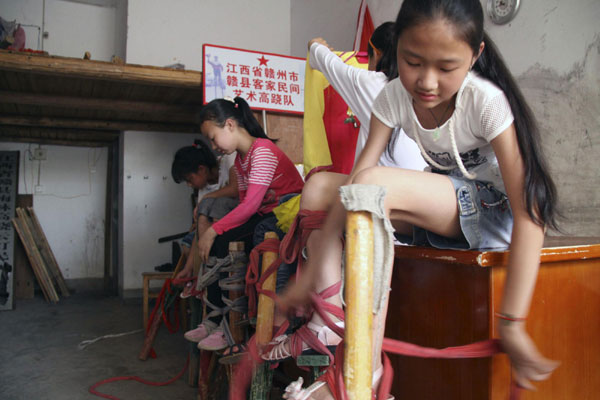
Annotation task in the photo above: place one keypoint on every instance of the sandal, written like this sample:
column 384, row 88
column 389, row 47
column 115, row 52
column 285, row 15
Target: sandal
column 294, row 390
column 187, row 290
column 309, row 339
column 232, row 354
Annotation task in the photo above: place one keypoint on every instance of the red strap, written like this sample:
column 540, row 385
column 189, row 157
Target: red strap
column 484, row 348
column 93, row 388
column 320, row 168
column 253, row 282
column 294, row 241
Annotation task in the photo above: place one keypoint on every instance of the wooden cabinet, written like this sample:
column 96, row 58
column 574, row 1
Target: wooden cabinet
column 444, row 298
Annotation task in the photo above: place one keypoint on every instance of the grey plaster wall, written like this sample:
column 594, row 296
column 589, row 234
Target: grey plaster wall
column 553, row 49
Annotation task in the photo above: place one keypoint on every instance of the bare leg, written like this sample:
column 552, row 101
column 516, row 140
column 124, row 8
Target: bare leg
column 414, row 198
column 319, row 193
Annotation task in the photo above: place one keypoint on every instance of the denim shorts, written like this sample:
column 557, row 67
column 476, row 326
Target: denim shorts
column 485, row 216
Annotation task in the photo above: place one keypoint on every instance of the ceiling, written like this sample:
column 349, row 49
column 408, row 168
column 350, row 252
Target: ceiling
column 67, row 101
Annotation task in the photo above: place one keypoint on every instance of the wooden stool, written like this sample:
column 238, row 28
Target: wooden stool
column 151, row 276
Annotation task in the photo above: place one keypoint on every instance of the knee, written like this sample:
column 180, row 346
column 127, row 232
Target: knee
column 316, row 192
column 368, row 176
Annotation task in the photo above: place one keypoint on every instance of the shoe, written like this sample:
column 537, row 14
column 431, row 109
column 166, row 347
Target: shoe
column 213, row 342
column 202, row 331
column 291, row 346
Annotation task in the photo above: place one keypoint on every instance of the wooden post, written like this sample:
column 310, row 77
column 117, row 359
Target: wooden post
column 237, row 331
column 358, row 352
column 266, row 305
column 263, row 375
column 151, row 333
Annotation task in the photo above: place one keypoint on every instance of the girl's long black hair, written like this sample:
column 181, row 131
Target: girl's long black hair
column 220, row 110
column 189, row 158
column 384, row 40
column 467, row 18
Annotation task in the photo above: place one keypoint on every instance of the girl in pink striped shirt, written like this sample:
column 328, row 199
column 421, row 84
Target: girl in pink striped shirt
column 264, row 174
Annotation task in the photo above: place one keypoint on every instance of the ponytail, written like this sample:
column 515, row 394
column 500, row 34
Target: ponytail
column 220, row 110
column 540, row 191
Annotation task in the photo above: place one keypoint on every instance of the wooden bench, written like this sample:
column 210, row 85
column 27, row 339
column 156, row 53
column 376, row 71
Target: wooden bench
column 446, row 298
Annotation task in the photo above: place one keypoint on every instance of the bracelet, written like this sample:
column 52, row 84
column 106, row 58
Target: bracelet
column 508, row 317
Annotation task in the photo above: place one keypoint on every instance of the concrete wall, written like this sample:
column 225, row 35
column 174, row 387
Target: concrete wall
column 553, row 49
column 69, row 203
column 162, row 33
column 153, row 205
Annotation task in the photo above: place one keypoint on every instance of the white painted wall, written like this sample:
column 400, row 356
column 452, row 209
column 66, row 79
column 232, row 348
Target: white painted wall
column 71, row 207
column 73, row 27
column 25, row 12
column 153, row 204
column 163, row 33
column 333, row 20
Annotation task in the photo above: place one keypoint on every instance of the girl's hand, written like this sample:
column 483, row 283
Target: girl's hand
column 205, row 243
column 296, row 295
column 527, row 362
column 320, row 41
column 184, row 273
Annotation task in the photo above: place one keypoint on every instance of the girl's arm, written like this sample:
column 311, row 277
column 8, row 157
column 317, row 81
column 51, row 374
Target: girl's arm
column 236, row 217
column 358, row 87
column 522, row 269
column 229, row 190
column 527, row 237
column 379, row 135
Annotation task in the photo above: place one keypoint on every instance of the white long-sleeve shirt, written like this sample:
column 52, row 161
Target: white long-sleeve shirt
column 359, row 88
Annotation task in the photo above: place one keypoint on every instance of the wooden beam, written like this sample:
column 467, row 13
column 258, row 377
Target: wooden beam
column 54, row 136
column 97, row 124
column 175, row 112
column 53, row 142
column 99, row 70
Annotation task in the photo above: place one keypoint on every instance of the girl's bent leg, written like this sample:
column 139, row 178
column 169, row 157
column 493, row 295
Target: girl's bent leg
column 321, row 191
column 417, row 198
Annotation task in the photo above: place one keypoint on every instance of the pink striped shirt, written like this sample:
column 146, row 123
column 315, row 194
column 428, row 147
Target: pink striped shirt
column 264, row 175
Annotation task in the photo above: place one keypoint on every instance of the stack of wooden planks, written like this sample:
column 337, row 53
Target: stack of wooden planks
column 43, row 263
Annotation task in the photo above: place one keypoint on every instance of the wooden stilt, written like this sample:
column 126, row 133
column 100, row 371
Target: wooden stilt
column 263, row 375
column 237, row 331
column 151, row 333
column 358, row 352
column 266, row 305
